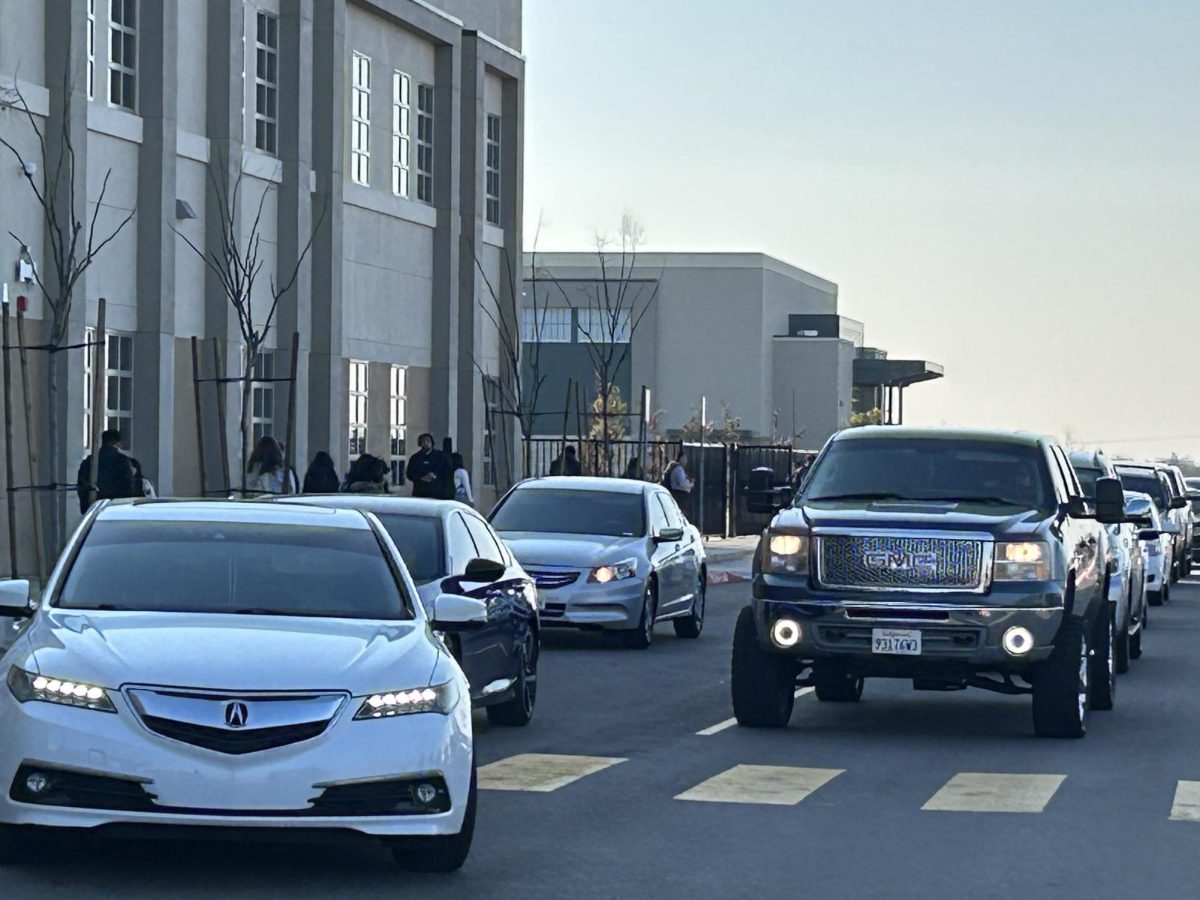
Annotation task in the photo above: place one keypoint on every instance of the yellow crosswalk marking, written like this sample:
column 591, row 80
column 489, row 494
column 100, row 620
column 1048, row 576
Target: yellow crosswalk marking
column 776, row 785
column 989, row 792
column 541, row 772
column 1187, row 802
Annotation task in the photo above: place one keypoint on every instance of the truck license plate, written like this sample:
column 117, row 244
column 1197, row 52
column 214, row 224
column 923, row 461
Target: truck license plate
column 896, row 641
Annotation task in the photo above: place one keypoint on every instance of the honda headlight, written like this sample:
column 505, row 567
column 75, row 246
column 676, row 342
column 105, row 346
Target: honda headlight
column 27, row 686
column 1022, row 561
column 785, row 553
column 437, row 698
column 616, row 572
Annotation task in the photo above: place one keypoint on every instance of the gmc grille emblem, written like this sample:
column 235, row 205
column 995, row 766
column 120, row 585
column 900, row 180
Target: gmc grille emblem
column 900, row 560
column 236, row 714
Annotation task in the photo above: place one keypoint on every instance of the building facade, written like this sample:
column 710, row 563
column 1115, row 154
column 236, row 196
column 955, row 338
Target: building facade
column 376, row 147
column 753, row 335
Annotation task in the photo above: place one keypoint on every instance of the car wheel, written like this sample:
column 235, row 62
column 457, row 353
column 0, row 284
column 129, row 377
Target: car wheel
column 1104, row 661
column 643, row 636
column 1154, row 598
column 1135, row 642
column 1124, row 643
column 837, row 687
column 20, row 845
column 441, row 853
column 692, row 624
column 518, row 710
column 763, row 684
column 1062, row 685
column 1166, row 594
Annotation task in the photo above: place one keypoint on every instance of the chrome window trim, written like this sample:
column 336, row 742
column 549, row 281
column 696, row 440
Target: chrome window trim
column 986, row 558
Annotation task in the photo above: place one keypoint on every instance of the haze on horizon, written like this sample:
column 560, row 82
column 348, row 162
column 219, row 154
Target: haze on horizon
column 1008, row 189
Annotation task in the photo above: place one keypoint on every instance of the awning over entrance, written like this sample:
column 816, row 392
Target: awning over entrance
column 894, row 373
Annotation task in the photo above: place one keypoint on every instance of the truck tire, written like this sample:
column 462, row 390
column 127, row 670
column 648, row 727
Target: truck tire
column 1124, row 641
column 763, row 684
column 1104, row 660
column 1154, row 598
column 1061, row 685
column 837, row 687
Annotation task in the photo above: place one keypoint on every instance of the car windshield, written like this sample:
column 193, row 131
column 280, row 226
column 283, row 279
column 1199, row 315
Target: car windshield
column 553, row 511
column 222, row 567
column 419, row 540
column 1146, row 481
column 932, row 469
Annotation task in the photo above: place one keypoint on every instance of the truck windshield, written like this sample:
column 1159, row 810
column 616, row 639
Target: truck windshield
column 947, row 469
column 1146, row 481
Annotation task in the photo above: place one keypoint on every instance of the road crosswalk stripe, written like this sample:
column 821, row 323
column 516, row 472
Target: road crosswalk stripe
column 1187, row 802
column 541, row 772
column 990, row 792
column 776, row 785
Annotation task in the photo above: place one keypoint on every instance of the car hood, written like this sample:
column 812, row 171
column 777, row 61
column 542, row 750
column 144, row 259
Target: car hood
column 939, row 515
column 576, row 551
column 262, row 653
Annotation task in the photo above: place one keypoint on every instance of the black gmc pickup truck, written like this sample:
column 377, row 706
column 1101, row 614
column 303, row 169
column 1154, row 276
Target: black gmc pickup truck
column 953, row 558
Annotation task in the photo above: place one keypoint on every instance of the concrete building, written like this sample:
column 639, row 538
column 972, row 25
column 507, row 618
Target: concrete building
column 745, row 330
column 393, row 128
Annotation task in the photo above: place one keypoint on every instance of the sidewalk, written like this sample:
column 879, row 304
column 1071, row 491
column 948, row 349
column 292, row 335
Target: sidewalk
column 730, row 560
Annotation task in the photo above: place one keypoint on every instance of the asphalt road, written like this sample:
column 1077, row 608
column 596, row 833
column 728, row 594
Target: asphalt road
column 855, row 780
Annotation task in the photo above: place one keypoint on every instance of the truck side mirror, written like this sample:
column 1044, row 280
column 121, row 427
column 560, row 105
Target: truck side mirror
column 1110, row 501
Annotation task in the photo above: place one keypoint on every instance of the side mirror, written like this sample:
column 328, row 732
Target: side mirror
column 1110, row 501
column 14, row 599
column 1179, row 502
column 454, row 612
column 1149, row 534
column 483, row 571
column 668, row 535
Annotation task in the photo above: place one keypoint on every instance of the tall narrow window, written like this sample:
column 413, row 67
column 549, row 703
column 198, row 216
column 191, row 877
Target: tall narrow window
column 425, row 143
column 122, row 54
column 401, row 125
column 266, row 83
column 118, row 393
column 398, row 422
column 89, row 335
column 262, row 411
column 360, row 129
column 493, row 169
column 358, row 409
column 91, row 44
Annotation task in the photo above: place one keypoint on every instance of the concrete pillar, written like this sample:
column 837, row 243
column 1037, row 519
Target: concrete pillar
column 468, row 410
column 154, row 342
column 327, row 401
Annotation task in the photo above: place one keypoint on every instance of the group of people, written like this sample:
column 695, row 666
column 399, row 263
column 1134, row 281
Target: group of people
column 118, row 474
column 675, row 477
column 434, row 474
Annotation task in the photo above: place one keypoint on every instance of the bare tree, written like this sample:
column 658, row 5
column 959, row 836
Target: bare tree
column 614, row 310
column 517, row 388
column 237, row 263
column 59, row 184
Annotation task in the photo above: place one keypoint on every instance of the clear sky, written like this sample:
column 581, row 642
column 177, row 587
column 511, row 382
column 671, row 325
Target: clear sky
column 1008, row 187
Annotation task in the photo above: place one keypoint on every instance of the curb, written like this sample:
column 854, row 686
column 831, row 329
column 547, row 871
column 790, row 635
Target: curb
column 728, row 577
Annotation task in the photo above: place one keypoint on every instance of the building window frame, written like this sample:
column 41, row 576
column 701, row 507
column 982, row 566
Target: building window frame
column 360, row 114
column 401, row 131
column 123, row 54
column 266, row 83
column 262, row 395
column 91, row 50
column 492, row 169
column 555, row 326
column 426, row 114
column 118, row 384
column 398, row 421
column 358, row 382
column 599, row 323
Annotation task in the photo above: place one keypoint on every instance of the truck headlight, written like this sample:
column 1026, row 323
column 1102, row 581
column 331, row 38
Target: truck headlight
column 26, row 686
column 437, row 698
column 785, row 553
column 1022, row 561
column 622, row 571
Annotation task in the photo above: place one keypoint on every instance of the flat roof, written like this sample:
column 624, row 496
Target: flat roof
column 895, row 372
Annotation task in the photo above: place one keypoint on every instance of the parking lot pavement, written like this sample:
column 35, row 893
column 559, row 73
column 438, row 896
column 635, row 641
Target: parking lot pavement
column 622, row 786
column 730, row 560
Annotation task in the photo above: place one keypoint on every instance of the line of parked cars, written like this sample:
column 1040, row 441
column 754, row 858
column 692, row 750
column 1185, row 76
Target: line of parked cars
column 313, row 662
column 956, row 559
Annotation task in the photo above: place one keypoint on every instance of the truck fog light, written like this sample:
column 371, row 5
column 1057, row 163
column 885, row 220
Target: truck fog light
column 1018, row 641
column 426, row 793
column 37, row 782
column 786, row 633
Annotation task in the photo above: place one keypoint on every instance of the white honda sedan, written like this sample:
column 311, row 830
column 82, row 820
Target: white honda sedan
column 236, row 665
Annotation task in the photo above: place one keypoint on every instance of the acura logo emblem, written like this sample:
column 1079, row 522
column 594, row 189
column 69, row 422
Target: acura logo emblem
column 236, row 714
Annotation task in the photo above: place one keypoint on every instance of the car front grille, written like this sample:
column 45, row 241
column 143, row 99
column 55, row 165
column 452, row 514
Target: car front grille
column 900, row 562
column 224, row 740
column 549, row 581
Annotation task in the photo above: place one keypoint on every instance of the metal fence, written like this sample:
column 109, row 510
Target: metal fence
column 591, row 455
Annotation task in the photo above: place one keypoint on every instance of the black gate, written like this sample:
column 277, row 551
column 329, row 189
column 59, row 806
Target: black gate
column 708, row 467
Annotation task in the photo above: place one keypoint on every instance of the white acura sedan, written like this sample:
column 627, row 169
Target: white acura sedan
column 236, row 666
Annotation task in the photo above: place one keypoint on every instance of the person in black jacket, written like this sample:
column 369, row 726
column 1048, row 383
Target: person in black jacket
column 115, row 474
column 429, row 470
column 321, row 477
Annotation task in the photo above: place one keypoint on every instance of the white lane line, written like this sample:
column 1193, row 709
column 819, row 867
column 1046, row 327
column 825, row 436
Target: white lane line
column 729, row 723
column 1187, row 802
column 774, row 785
column 988, row 792
column 541, row 772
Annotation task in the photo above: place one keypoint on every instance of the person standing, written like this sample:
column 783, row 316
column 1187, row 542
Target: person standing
column 268, row 471
column 676, row 480
column 321, row 477
column 115, row 475
column 633, row 471
column 462, row 481
column 368, row 475
column 428, row 470
column 802, row 472
column 567, row 464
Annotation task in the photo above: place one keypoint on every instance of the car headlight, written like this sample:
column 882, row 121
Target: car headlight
column 1022, row 561
column 27, row 686
column 785, row 553
column 616, row 572
column 437, row 698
